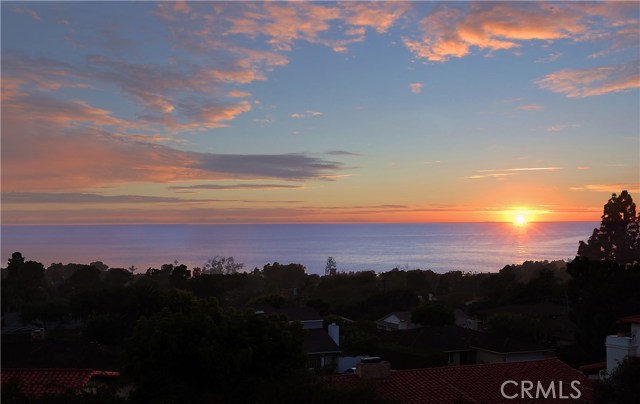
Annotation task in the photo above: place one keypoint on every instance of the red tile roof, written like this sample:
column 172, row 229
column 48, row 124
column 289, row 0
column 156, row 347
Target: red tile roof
column 475, row 383
column 37, row 382
column 630, row 319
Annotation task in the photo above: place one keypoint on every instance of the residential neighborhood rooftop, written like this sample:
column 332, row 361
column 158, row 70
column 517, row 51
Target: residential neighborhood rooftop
column 37, row 382
column 477, row 383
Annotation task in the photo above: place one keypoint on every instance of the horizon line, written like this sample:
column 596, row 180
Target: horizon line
column 288, row 223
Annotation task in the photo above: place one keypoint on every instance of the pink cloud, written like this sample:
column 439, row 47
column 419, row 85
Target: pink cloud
column 531, row 107
column 593, row 81
column 27, row 11
column 416, row 87
column 453, row 30
column 283, row 23
column 56, row 145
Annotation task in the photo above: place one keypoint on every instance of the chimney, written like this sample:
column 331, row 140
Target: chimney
column 402, row 325
column 373, row 368
column 334, row 333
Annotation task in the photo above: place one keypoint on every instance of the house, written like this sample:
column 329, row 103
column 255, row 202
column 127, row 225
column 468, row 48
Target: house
column 37, row 382
column 625, row 343
column 397, row 320
column 322, row 347
column 466, row 346
column 547, row 380
column 14, row 330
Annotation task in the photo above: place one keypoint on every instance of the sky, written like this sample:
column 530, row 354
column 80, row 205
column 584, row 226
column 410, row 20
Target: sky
column 317, row 112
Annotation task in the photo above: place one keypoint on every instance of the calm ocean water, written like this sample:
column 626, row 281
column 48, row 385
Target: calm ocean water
column 483, row 247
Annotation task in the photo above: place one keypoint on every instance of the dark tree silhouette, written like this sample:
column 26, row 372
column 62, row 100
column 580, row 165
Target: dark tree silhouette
column 618, row 237
column 179, row 276
column 433, row 314
column 206, row 354
column 331, row 267
column 15, row 261
column 24, row 276
column 623, row 385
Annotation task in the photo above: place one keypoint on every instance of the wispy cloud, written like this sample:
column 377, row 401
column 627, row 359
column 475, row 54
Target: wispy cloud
column 82, row 198
column 490, row 175
column 225, row 187
column 25, row 10
column 341, row 153
column 416, row 87
column 593, row 81
column 609, row 188
column 500, row 174
column 552, row 57
column 306, row 114
column 72, row 145
column 523, row 169
column 531, row 107
column 559, row 128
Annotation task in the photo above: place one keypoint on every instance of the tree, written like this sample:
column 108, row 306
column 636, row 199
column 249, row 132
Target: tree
column 599, row 293
column 85, row 278
column 15, row 261
column 25, row 278
column 331, row 268
column 433, row 314
column 179, row 276
column 514, row 325
column 623, row 385
column 99, row 265
column 222, row 265
column 618, row 237
column 206, row 354
column 117, row 277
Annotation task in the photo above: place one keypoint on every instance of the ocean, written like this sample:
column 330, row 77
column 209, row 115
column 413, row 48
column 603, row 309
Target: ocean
column 441, row 247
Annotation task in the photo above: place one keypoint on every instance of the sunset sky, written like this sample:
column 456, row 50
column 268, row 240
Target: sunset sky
column 243, row 112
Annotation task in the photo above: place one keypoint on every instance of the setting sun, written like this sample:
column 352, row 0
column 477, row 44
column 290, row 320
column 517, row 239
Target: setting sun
column 520, row 220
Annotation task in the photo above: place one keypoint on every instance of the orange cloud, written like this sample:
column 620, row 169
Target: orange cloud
column 377, row 15
column 593, row 81
column 238, row 94
column 283, row 23
column 452, row 30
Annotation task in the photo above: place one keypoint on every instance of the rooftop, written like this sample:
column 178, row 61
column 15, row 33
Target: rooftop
column 474, row 383
column 635, row 319
column 451, row 338
column 52, row 381
column 317, row 341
